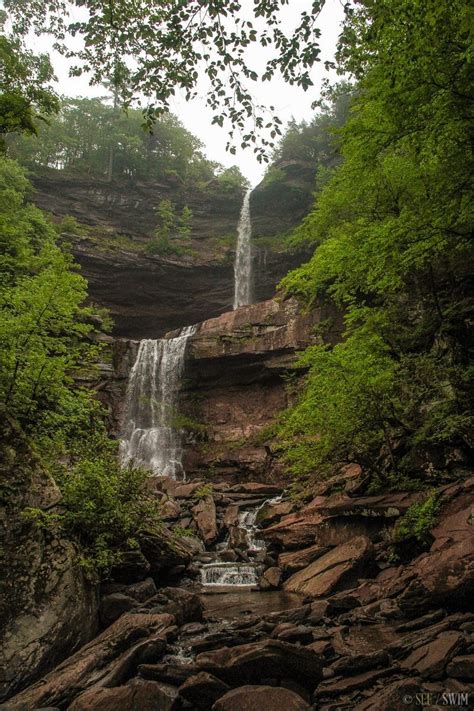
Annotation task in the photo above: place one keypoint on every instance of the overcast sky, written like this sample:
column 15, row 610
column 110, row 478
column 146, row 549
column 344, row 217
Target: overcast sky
column 288, row 101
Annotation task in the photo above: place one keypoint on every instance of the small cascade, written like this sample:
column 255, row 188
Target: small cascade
column 243, row 257
column 247, row 523
column 150, row 437
column 238, row 574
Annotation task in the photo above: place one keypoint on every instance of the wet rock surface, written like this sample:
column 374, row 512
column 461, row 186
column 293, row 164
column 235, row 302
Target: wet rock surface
column 357, row 645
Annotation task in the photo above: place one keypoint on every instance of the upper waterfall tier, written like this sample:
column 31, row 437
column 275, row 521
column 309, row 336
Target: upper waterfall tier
column 150, row 436
column 243, row 257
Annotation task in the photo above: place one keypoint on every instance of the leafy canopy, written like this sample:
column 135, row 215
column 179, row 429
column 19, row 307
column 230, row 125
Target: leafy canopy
column 393, row 233
column 25, row 86
column 163, row 46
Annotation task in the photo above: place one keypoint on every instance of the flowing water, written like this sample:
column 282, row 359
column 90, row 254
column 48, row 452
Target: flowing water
column 223, row 575
column 243, row 257
column 151, row 437
column 239, row 574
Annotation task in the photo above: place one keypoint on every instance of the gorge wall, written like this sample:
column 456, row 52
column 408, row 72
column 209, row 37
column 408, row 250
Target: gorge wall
column 234, row 384
column 148, row 294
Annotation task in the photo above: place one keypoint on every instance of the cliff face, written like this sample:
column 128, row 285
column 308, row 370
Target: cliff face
column 148, row 294
column 47, row 608
column 234, row 384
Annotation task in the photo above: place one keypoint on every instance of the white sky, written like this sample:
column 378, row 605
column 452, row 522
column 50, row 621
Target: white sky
column 289, row 102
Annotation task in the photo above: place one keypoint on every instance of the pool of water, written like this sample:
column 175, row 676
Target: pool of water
column 231, row 604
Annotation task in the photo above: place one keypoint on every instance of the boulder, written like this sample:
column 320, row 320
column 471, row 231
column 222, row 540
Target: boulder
column 110, row 659
column 137, row 695
column 47, row 607
column 202, row 690
column 291, row 561
column 294, row 531
column 335, row 688
column 337, row 568
column 270, row 579
column 289, row 632
column 461, row 667
column 169, row 673
column 250, row 663
column 273, row 510
column 143, row 590
column 163, row 550
column 133, row 566
column 445, row 575
column 184, row 605
column 114, row 605
column 260, row 698
column 430, row 659
column 170, row 509
column 204, row 514
column 231, row 516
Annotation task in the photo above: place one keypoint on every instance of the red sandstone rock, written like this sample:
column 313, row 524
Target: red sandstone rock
column 260, row 698
column 204, row 514
column 430, row 660
column 462, row 667
column 338, row 567
column 259, row 660
column 399, row 695
column 137, row 695
column 102, row 662
column 292, row 561
column 202, row 690
column 270, row 579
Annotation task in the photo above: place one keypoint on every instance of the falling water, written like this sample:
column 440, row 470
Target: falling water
column 247, row 522
column 149, row 437
column 243, row 257
column 241, row 574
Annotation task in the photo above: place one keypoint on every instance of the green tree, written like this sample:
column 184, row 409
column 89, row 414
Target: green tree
column 393, row 229
column 26, row 95
column 170, row 227
column 171, row 45
column 44, row 323
column 90, row 136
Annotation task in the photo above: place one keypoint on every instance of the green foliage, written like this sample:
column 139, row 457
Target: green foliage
column 231, row 180
column 107, row 507
column 183, row 532
column 170, row 226
column 203, row 492
column 44, row 324
column 393, row 234
column 418, row 521
column 165, row 46
column 88, row 136
column 69, row 225
column 25, row 91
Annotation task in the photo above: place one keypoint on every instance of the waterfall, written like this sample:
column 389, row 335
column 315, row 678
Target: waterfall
column 243, row 257
column 150, row 437
column 247, row 521
column 241, row 574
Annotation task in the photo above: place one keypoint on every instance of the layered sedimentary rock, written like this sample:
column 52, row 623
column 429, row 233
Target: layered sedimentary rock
column 233, row 385
column 149, row 294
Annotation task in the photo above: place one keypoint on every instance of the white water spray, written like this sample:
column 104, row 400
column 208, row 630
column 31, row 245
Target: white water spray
column 150, row 437
column 243, row 257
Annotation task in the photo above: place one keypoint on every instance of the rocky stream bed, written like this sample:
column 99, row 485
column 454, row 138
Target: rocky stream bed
column 325, row 619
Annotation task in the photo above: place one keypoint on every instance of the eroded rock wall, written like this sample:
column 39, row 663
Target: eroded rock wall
column 149, row 294
column 234, row 384
column 47, row 608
